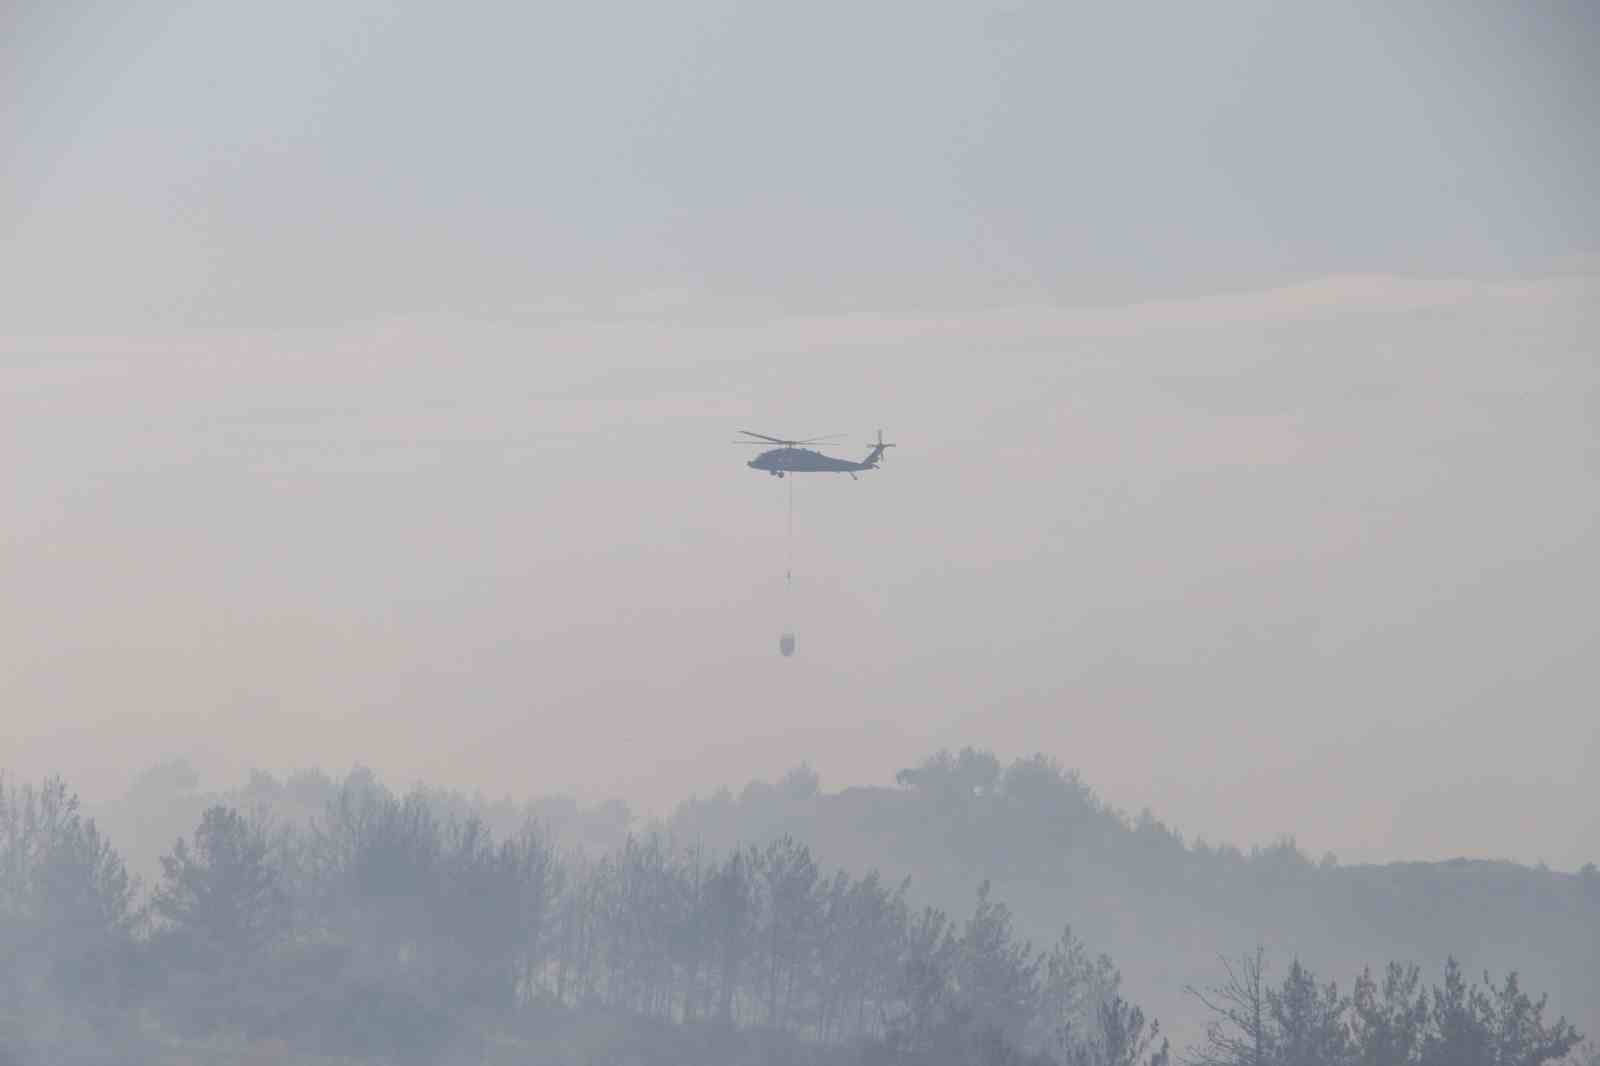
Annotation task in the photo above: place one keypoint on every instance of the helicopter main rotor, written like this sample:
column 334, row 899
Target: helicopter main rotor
column 762, row 440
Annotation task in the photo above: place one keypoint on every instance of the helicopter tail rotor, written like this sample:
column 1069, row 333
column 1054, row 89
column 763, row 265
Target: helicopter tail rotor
column 879, row 448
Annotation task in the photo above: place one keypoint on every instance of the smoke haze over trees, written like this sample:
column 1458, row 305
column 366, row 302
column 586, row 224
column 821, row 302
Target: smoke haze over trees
column 323, row 918
column 1243, row 366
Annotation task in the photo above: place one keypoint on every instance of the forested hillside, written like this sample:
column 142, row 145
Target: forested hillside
column 310, row 920
column 395, row 928
column 1166, row 907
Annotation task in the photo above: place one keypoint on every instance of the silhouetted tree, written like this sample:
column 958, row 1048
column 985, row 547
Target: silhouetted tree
column 66, row 900
column 220, row 897
column 577, row 932
column 792, row 910
column 539, row 879
column 953, row 780
column 927, row 979
column 1073, row 987
column 1389, row 1023
column 1491, row 1026
column 1240, row 1032
column 732, row 925
column 1122, row 1039
column 1308, row 1021
column 997, row 974
column 480, row 944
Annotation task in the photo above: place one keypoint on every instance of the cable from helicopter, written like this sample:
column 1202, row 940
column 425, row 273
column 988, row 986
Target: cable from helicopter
column 786, row 642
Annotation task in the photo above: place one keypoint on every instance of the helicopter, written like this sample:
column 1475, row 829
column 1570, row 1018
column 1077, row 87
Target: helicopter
column 791, row 458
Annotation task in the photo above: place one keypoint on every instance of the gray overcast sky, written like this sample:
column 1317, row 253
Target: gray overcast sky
column 366, row 368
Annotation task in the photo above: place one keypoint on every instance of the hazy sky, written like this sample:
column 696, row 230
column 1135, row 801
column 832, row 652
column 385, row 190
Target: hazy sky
column 366, row 371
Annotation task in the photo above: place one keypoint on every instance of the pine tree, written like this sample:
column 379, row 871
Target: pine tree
column 1122, row 1039
column 1388, row 1025
column 220, row 898
column 996, row 974
column 66, row 899
column 1309, row 1021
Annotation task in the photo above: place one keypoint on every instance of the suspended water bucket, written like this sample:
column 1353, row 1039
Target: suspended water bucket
column 786, row 644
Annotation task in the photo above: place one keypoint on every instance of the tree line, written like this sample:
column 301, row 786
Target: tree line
column 393, row 926
column 1392, row 1020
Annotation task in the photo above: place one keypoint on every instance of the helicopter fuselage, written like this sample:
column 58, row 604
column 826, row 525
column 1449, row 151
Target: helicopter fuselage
column 781, row 461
